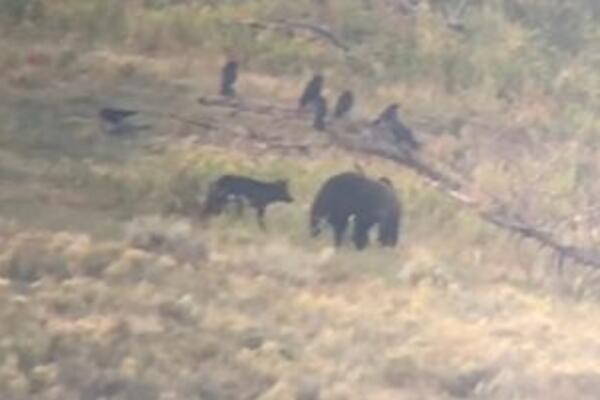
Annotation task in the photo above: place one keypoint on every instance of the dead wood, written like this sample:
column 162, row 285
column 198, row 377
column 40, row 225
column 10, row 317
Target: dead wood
column 294, row 27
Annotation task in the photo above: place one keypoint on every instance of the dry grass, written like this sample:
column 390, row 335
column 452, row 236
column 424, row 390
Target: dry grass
column 87, row 318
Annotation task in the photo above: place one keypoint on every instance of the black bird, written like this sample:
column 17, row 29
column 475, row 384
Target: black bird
column 312, row 90
column 402, row 133
column 320, row 112
column 115, row 116
column 344, row 104
column 115, row 121
column 229, row 76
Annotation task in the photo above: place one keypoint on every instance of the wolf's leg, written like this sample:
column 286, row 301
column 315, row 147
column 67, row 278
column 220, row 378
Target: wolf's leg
column 213, row 204
column 260, row 216
column 239, row 206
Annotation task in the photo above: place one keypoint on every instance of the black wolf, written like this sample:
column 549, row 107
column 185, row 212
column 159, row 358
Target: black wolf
column 238, row 188
column 370, row 202
column 344, row 104
column 389, row 118
column 229, row 76
column 312, row 91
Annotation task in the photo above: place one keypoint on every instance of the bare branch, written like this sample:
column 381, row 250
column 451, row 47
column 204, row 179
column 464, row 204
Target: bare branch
column 295, row 26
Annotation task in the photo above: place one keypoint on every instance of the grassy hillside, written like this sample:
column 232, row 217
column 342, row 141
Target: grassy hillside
column 93, row 306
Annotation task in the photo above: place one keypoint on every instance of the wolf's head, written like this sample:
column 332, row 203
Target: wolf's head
column 281, row 192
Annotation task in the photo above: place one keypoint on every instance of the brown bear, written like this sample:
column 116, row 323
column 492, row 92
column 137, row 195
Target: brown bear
column 370, row 202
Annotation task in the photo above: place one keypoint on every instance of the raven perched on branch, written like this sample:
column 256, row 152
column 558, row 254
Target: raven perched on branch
column 312, row 91
column 389, row 119
column 344, row 104
column 229, row 76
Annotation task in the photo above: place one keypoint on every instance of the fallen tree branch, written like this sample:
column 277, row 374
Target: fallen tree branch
column 291, row 27
column 491, row 210
column 270, row 143
column 246, row 106
column 187, row 121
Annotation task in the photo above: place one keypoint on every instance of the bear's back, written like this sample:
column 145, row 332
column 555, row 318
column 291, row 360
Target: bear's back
column 338, row 194
column 352, row 193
